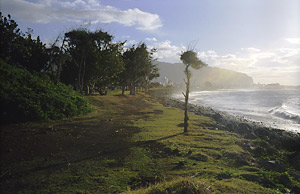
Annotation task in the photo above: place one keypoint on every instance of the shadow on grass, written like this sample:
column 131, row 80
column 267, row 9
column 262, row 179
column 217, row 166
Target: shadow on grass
column 157, row 149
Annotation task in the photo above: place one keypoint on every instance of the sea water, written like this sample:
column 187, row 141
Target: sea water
column 273, row 108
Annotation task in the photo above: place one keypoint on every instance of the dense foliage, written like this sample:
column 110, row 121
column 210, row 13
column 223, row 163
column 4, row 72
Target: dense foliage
column 19, row 49
column 139, row 70
column 29, row 97
column 88, row 60
column 32, row 88
column 95, row 61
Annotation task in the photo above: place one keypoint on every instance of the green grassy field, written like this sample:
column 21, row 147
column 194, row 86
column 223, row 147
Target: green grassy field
column 129, row 144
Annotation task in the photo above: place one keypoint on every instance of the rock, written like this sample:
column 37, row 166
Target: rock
column 220, row 127
column 240, row 159
column 230, row 127
column 250, row 177
column 267, row 183
column 273, row 165
column 250, row 136
column 270, row 150
column 243, row 128
column 295, row 190
column 181, row 163
column 294, row 159
column 176, row 152
column 256, row 178
column 261, row 132
column 291, row 144
column 285, row 180
column 199, row 157
column 242, row 162
column 218, row 157
column 217, row 116
column 223, row 176
column 295, row 175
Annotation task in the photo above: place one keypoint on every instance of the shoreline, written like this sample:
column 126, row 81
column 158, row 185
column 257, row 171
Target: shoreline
column 289, row 140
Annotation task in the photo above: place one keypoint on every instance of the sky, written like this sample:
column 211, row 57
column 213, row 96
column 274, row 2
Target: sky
column 257, row 37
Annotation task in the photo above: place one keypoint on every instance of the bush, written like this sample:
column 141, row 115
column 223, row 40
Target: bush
column 30, row 97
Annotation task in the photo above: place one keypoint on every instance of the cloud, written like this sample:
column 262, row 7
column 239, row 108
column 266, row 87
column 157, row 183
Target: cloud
column 286, row 55
column 47, row 11
column 227, row 61
column 293, row 40
column 250, row 49
column 265, row 66
column 167, row 52
column 277, row 65
column 130, row 42
column 151, row 39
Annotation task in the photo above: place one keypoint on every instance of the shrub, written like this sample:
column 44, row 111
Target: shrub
column 29, row 96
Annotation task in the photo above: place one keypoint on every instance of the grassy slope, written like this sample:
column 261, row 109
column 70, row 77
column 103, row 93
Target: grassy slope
column 129, row 142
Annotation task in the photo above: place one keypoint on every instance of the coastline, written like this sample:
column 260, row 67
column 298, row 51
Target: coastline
column 248, row 129
column 132, row 137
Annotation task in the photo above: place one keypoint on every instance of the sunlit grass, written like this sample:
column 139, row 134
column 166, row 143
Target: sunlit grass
column 129, row 143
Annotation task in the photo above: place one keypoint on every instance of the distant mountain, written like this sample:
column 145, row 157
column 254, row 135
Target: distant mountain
column 207, row 77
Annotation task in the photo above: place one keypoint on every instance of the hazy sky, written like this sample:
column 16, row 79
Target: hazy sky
column 257, row 37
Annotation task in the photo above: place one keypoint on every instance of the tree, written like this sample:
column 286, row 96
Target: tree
column 20, row 50
column 32, row 54
column 108, row 68
column 139, row 69
column 152, row 72
column 79, row 46
column 189, row 58
column 57, row 57
column 95, row 60
column 10, row 35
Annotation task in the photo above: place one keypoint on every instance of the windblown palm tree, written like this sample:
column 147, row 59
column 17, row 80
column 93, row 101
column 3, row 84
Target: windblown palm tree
column 189, row 58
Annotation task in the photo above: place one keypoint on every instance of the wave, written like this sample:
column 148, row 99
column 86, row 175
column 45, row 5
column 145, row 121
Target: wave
column 281, row 112
column 276, row 108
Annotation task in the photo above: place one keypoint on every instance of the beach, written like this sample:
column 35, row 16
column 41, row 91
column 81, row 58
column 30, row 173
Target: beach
column 247, row 128
column 275, row 108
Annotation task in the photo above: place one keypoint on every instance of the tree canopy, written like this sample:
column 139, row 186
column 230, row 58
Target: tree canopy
column 189, row 58
column 139, row 67
column 19, row 49
column 90, row 61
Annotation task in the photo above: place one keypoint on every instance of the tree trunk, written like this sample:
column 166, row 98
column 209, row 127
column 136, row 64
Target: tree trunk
column 132, row 88
column 61, row 59
column 147, row 87
column 186, row 98
column 87, row 90
column 123, row 90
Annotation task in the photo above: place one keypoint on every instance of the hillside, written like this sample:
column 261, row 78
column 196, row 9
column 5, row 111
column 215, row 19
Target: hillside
column 134, row 144
column 207, row 77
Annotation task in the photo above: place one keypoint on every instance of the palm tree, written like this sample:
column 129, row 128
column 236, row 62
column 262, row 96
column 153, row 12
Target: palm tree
column 189, row 58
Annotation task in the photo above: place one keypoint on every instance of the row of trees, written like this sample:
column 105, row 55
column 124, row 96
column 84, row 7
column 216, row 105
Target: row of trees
column 90, row 61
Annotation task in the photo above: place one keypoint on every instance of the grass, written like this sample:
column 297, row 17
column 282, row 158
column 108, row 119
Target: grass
column 129, row 144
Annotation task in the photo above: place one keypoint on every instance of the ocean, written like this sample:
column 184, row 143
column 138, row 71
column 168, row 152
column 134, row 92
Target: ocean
column 273, row 108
